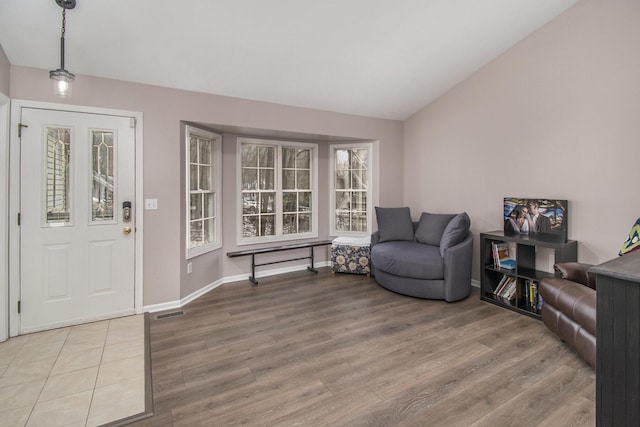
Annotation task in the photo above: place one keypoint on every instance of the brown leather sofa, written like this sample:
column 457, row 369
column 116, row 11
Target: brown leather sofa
column 569, row 307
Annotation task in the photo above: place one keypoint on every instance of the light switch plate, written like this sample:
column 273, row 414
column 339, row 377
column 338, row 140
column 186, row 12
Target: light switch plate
column 151, row 204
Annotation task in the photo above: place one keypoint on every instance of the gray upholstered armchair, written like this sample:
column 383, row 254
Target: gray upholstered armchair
column 426, row 259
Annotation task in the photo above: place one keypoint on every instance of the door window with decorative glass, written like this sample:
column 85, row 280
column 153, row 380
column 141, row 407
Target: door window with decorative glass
column 203, row 190
column 351, row 189
column 277, row 179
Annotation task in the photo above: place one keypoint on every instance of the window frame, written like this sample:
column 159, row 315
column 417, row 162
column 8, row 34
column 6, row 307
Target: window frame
column 279, row 235
column 215, row 179
column 332, row 188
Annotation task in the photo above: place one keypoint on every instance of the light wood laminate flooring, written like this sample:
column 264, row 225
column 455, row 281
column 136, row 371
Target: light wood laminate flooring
column 339, row 350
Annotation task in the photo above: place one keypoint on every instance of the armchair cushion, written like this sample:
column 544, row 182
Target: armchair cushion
column 455, row 232
column 431, row 227
column 394, row 224
column 409, row 259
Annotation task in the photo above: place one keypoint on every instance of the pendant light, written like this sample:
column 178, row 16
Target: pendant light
column 63, row 79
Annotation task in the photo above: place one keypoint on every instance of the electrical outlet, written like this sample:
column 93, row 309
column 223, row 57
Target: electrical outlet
column 189, row 268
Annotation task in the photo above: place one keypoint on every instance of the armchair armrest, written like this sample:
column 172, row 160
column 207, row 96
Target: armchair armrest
column 457, row 269
column 375, row 238
column 576, row 272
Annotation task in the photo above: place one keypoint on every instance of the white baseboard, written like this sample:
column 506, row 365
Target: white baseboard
column 475, row 283
column 172, row 305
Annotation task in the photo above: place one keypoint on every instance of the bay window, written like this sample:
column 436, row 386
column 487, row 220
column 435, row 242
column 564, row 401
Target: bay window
column 278, row 182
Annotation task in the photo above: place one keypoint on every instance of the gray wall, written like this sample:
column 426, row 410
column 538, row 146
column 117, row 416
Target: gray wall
column 556, row 116
column 165, row 278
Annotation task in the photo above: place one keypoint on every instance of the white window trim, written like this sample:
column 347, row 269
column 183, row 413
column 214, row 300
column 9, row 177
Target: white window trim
column 279, row 236
column 216, row 152
column 332, row 189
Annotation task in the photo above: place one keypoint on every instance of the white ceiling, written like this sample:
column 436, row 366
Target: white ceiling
column 378, row 58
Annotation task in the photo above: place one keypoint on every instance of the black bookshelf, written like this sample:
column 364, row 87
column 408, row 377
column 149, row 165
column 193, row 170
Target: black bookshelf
column 525, row 274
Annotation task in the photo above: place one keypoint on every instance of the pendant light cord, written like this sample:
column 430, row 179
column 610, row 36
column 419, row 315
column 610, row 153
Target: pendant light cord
column 64, row 21
column 64, row 27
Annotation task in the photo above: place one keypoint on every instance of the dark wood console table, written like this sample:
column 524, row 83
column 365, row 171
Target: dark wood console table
column 618, row 341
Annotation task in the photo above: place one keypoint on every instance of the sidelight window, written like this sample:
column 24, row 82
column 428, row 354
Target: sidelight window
column 351, row 189
column 203, row 152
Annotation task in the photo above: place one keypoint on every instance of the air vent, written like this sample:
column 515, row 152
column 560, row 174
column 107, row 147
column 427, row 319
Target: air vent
column 167, row 315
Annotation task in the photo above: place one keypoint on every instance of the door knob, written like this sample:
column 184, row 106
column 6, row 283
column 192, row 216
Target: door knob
column 126, row 230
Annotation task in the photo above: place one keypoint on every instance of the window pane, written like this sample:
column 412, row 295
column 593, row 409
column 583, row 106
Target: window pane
column 207, row 231
column 205, row 152
column 303, row 159
column 288, row 158
column 58, row 154
column 205, row 178
column 193, row 149
column 207, row 205
column 356, row 180
column 304, row 223
column 358, row 201
column 268, row 225
column 195, row 234
column 289, row 202
column 249, row 155
column 193, row 177
column 342, row 180
column 196, row 206
column 267, row 156
column 359, row 159
column 250, row 226
column 288, row 179
column 303, row 180
column 267, row 181
column 342, row 200
column 342, row 160
column 249, row 179
column 103, row 179
column 359, row 222
column 343, row 222
column 250, row 203
column 290, row 223
column 304, row 201
column 267, row 202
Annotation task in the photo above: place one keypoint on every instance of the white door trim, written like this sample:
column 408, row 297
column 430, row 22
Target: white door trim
column 4, row 221
column 14, row 200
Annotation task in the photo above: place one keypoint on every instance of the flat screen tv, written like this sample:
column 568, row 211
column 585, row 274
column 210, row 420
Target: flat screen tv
column 539, row 218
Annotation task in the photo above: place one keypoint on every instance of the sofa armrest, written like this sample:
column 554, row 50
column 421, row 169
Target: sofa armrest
column 576, row 272
column 457, row 269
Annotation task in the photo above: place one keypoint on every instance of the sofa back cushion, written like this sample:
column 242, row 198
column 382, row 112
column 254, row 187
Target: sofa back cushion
column 431, row 227
column 394, row 224
column 455, row 232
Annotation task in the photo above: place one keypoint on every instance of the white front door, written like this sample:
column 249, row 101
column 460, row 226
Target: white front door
column 77, row 246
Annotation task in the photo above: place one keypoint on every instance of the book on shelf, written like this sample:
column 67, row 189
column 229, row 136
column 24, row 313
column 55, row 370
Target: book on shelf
column 501, row 256
column 531, row 297
column 507, row 288
column 509, row 264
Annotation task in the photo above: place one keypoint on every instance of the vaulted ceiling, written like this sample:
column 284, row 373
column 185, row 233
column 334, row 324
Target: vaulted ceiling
column 378, row 58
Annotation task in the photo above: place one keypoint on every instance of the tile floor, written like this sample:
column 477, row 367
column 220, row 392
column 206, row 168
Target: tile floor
column 84, row 375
